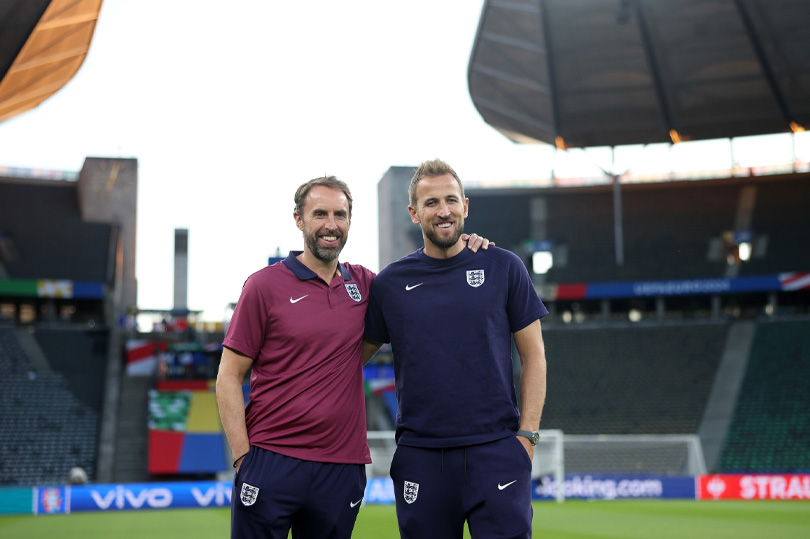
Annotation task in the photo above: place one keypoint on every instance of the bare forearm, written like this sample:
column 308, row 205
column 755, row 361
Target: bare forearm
column 532, row 393
column 529, row 342
column 232, row 414
column 231, row 401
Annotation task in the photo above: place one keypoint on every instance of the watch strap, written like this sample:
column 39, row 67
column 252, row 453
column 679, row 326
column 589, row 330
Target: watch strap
column 531, row 435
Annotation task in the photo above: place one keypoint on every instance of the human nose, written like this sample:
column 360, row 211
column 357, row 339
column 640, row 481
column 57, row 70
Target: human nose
column 444, row 209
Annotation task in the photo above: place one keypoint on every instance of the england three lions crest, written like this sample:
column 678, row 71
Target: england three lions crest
column 475, row 278
column 411, row 491
column 249, row 494
column 354, row 292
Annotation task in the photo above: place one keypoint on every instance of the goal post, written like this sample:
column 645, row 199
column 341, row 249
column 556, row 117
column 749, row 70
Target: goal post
column 549, row 460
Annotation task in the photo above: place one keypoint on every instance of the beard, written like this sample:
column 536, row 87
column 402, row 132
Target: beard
column 327, row 254
column 444, row 243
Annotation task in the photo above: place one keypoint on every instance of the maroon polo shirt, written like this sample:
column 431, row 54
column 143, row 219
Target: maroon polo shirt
column 306, row 387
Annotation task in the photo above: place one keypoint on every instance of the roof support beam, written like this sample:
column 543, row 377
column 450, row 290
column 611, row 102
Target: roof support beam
column 767, row 70
column 655, row 72
column 552, row 76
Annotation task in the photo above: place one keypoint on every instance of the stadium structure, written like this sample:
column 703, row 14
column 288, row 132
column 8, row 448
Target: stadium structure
column 678, row 338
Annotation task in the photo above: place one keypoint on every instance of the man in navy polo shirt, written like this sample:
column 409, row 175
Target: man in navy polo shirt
column 464, row 449
column 300, row 446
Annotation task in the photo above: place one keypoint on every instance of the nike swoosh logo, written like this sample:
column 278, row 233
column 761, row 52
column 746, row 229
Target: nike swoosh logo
column 409, row 287
column 501, row 487
column 297, row 300
column 354, row 504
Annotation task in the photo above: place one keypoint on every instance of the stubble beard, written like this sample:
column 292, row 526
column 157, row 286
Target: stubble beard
column 327, row 254
column 444, row 243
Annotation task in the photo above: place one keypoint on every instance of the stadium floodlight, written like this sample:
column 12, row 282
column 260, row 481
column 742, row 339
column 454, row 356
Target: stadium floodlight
column 542, row 262
column 744, row 251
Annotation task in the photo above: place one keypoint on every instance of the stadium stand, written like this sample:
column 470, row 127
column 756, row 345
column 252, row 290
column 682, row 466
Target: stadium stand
column 80, row 356
column 668, row 227
column 779, row 224
column 56, row 340
column 47, row 429
column 584, row 225
column 770, row 430
column 632, row 379
column 44, row 221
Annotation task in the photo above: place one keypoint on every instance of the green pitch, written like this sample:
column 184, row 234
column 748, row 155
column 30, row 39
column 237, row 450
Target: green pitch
column 573, row 519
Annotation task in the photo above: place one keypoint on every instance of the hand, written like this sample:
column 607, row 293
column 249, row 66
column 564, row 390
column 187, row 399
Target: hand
column 239, row 460
column 527, row 445
column 474, row 242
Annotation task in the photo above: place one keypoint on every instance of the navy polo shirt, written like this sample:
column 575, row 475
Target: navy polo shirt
column 450, row 324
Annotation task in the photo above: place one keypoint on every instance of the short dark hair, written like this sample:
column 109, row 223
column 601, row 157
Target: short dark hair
column 431, row 169
column 326, row 181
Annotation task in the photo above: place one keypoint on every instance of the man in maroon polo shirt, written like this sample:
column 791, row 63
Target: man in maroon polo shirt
column 300, row 446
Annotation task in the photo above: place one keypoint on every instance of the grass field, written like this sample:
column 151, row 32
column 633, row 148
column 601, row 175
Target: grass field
column 573, row 519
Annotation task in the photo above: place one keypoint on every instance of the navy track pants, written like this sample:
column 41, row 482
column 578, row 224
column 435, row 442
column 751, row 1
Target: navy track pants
column 273, row 494
column 488, row 485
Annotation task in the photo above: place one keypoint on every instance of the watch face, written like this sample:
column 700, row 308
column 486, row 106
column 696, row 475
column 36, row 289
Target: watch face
column 535, row 438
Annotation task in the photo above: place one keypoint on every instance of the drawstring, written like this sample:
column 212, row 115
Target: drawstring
column 465, row 465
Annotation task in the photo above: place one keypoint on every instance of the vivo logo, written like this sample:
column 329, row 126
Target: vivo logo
column 218, row 494
column 121, row 498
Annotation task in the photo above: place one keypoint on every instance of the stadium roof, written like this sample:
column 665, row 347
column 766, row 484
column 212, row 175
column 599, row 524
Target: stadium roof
column 582, row 73
column 43, row 44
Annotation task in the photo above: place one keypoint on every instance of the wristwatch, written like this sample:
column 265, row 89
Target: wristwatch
column 533, row 436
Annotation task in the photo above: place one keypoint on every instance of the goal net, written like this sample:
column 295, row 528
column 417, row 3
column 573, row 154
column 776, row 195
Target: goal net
column 651, row 454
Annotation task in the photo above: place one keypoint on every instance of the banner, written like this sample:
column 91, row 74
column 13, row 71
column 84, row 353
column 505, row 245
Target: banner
column 143, row 355
column 150, row 496
column 754, row 487
column 379, row 490
column 683, row 287
column 51, row 288
column 51, row 500
column 613, row 487
column 595, row 486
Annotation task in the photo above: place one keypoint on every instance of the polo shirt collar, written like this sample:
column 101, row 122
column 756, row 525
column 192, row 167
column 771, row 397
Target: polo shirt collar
column 304, row 273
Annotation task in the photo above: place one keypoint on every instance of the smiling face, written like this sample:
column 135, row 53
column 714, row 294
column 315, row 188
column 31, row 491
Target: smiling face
column 324, row 222
column 440, row 211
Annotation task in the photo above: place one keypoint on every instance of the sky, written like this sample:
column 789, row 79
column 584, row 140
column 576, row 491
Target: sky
column 229, row 106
